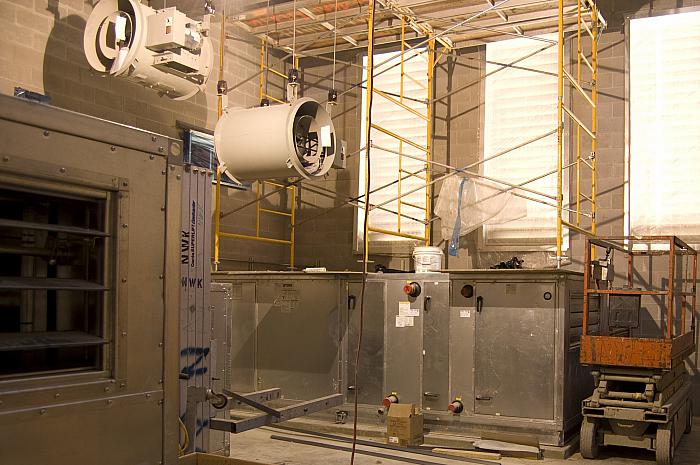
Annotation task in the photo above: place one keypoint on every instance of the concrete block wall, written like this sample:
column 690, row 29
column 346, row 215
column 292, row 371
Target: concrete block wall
column 326, row 224
column 43, row 51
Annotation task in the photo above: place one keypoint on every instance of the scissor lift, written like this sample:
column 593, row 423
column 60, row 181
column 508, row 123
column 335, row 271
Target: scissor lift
column 641, row 398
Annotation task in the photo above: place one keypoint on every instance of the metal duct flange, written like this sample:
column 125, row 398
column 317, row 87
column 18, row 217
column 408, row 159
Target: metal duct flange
column 280, row 141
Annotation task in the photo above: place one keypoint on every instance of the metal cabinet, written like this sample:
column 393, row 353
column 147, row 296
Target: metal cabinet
column 416, row 344
column 288, row 331
column 104, row 365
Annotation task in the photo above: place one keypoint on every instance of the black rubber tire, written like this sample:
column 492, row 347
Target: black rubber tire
column 589, row 438
column 689, row 419
column 665, row 444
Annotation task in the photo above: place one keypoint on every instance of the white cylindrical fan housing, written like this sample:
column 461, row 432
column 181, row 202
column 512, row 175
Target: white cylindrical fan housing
column 161, row 49
column 279, row 141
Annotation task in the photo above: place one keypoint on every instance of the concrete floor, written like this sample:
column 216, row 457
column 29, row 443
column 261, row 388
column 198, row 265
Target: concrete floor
column 257, row 446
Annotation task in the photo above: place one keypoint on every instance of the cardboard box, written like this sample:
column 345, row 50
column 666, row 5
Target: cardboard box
column 404, row 425
column 200, row 458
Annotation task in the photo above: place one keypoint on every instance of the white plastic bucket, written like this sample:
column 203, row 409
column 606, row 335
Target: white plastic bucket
column 427, row 259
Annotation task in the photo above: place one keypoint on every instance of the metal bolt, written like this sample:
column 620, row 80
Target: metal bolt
column 123, row 333
column 153, row 138
column 123, row 280
column 5, row 158
column 161, row 149
column 46, row 133
column 122, row 385
column 110, row 401
column 178, row 176
column 160, row 381
column 160, row 344
column 57, row 395
column 62, row 170
column 162, row 172
column 172, row 167
column 160, row 402
column 113, row 148
column 148, row 396
column 107, row 389
column 42, row 411
column 125, row 183
column 162, row 208
column 151, row 157
column 160, row 276
column 124, row 225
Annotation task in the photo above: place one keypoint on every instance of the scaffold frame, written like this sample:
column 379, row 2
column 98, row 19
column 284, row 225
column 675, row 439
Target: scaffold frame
column 588, row 24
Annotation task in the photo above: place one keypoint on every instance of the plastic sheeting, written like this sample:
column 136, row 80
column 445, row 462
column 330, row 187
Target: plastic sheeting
column 465, row 204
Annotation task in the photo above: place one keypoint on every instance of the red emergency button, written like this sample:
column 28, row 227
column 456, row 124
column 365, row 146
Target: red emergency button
column 412, row 289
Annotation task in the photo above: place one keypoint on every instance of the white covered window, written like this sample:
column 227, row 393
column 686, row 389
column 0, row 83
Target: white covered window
column 664, row 139
column 387, row 166
column 521, row 104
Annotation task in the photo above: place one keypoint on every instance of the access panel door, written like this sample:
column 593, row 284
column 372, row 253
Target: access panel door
column 403, row 343
column 514, row 353
column 436, row 349
column 370, row 376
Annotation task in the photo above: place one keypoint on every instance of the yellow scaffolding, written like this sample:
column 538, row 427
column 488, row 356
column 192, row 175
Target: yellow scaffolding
column 589, row 23
column 427, row 150
column 586, row 12
column 259, row 210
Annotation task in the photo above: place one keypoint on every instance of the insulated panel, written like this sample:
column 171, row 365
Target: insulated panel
column 514, row 350
column 195, row 312
column 298, row 337
column 436, row 348
column 371, row 373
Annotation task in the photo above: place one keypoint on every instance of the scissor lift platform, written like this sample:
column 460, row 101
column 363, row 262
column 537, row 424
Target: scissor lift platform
column 641, row 396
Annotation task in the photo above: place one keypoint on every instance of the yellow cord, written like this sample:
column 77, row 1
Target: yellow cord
column 184, row 447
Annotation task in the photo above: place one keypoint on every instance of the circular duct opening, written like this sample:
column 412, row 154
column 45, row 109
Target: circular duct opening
column 314, row 138
column 102, row 46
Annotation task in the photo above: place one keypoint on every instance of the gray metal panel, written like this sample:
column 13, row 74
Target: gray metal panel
column 171, row 297
column 515, row 350
column 88, row 127
column 298, row 342
column 461, row 333
column 114, row 431
column 371, row 374
column 221, row 317
column 403, row 360
column 243, row 335
column 436, row 323
column 127, row 399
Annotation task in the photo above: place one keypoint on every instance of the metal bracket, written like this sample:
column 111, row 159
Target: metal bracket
column 272, row 415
